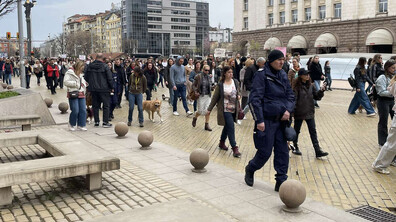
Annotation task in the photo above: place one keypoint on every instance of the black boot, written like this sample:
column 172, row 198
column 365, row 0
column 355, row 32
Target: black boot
column 277, row 185
column 296, row 150
column 249, row 177
column 319, row 152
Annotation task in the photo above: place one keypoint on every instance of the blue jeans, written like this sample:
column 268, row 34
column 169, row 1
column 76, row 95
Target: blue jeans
column 181, row 90
column 139, row 100
column 78, row 113
column 8, row 78
column 16, row 72
column 360, row 98
column 229, row 129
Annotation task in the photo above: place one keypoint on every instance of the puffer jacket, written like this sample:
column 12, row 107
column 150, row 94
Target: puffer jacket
column 316, row 71
column 99, row 77
column 381, row 85
column 72, row 82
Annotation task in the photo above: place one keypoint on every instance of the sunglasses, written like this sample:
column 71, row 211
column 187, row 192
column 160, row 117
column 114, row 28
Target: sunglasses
column 207, row 70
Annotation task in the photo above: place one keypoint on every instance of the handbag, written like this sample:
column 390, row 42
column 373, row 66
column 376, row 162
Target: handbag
column 290, row 133
column 74, row 94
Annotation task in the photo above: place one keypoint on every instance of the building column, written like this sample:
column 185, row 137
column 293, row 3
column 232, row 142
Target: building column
column 275, row 12
column 301, row 12
column 329, row 10
column 314, row 10
column 287, row 12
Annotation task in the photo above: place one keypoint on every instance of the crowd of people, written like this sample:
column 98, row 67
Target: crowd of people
column 276, row 90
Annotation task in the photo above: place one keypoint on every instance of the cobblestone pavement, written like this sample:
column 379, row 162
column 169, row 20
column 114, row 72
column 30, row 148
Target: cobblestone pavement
column 344, row 179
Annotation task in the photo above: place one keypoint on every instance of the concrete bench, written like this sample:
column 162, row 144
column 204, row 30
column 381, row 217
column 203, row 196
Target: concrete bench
column 16, row 120
column 71, row 157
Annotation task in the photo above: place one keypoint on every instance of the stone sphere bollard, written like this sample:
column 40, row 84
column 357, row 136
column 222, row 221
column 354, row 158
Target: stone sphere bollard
column 145, row 139
column 4, row 85
column 121, row 129
column 63, row 107
column 293, row 194
column 48, row 102
column 199, row 158
column 10, row 87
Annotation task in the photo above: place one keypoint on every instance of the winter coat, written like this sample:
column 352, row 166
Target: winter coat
column 52, row 69
column 218, row 99
column 99, row 77
column 197, row 83
column 305, row 95
column 316, row 71
column 73, row 82
column 249, row 75
column 167, row 77
column 361, row 77
column 375, row 71
column 381, row 85
column 137, row 88
column 7, row 68
column 151, row 76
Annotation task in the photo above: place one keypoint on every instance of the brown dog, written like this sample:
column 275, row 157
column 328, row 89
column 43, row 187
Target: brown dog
column 151, row 107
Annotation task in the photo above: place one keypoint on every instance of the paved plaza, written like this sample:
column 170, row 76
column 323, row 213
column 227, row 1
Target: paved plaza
column 162, row 177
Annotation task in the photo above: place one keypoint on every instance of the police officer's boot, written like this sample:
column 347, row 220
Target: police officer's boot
column 319, row 152
column 296, row 150
column 249, row 176
column 223, row 146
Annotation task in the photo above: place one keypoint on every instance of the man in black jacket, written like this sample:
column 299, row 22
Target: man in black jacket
column 316, row 75
column 121, row 77
column 251, row 70
column 100, row 84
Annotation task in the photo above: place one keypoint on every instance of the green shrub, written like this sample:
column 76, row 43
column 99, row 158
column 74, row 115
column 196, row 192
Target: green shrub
column 8, row 94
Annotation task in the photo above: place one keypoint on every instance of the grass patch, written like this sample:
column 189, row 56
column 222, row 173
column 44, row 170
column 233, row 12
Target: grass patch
column 8, row 94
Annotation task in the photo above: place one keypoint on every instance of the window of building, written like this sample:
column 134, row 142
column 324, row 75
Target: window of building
column 282, row 17
column 246, row 5
column 337, row 10
column 181, row 35
column 152, row 10
column 307, row 14
column 180, row 20
column 322, row 12
column 294, row 0
column 154, row 3
column 294, row 16
column 270, row 2
column 178, row 4
column 270, row 19
column 158, row 19
column 179, row 12
column 184, row 42
column 179, row 27
column 245, row 23
column 154, row 26
column 282, row 2
column 383, row 5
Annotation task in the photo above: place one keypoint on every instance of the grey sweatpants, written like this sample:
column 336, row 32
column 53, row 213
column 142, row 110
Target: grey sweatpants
column 388, row 151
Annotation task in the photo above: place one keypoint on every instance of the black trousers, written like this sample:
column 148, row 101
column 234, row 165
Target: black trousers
column 311, row 128
column 148, row 91
column 61, row 77
column 120, row 96
column 384, row 106
column 97, row 99
column 53, row 83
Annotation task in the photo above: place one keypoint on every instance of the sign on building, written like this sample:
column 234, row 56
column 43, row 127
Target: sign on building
column 219, row 52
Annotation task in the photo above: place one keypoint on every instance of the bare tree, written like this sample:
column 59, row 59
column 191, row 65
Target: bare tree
column 6, row 6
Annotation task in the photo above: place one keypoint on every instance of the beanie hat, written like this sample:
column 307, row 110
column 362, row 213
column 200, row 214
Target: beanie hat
column 274, row 55
column 303, row 71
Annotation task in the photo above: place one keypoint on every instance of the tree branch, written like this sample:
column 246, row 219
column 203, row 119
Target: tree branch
column 6, row 6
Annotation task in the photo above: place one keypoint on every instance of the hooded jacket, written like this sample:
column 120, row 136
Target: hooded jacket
column 177, row 73
column 99, row 77
column 305, row 95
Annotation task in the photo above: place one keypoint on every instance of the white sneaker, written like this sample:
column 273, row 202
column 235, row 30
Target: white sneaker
column 82, row 128
column 381, row 170
column 189, row 113
column 72, row 128
column 371, row 115
column 176, row 113
column 239, row 122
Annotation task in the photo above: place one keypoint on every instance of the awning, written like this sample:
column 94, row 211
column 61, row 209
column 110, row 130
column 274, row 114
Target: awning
column 272, row 43
column 380, row 37
column 326, row 40
column 297, row 42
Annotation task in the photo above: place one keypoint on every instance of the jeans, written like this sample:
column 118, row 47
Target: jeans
column 360, row 98
column 78, row 113
column 312, row 130
column 388, row 151
column 229, row 129
column 171, row 94
column 181, row 90
column 328, row 81
column 97, row 99
column 384, row 106
column 317, row 88
column 138, row 98
column 7, row 77
column 28, row 81
column 16, row 72
column 61, row 77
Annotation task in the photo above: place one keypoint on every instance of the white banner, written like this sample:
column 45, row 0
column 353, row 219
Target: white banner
column 219, row 52
column 82, row 57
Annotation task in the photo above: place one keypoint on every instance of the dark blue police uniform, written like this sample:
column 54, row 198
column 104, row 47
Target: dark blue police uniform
column 270, row 97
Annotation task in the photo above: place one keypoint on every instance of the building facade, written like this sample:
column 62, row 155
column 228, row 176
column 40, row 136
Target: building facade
column 220, row 35
column 11, row 47
column 164, row 26
column 315, row 26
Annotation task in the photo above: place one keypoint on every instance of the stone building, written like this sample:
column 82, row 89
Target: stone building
column 315, row 26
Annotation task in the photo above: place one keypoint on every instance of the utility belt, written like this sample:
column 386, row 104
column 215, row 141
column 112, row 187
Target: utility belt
column 386, row 98
column 273, row 118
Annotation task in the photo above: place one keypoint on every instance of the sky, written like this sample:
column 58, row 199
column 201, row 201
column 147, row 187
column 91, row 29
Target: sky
column 47, row 16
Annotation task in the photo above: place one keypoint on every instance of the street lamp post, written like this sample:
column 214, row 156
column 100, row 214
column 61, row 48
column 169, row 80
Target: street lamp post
column 29, row 5
column 21, row 45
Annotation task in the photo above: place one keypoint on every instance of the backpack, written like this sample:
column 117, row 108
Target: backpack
column 352, row 81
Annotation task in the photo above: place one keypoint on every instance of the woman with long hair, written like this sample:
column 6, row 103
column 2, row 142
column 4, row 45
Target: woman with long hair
column 38, row 71
column 201, row 86
column 137, row 86
column 74, row 81
column 361, row 97
column 28, row 72
column 327, row 70
column 226, row 96
column 244, row 92
column 305, row 110
column 309, row 63
column 385, row 100
column 387, row 154
column 151, row 75
column 113, row 95
column 168, row 84
column 376, row 67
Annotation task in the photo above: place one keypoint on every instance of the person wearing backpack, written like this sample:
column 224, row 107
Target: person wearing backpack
column 385, row 101
column 361, row 97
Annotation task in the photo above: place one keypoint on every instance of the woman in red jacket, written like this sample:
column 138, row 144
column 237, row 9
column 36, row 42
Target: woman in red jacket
column 53, row 75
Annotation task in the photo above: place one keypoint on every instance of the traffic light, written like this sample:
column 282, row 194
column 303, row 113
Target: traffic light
column 18, row 35
column 8, row 35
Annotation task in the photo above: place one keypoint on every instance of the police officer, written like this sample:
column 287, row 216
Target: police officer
column 271, row 101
